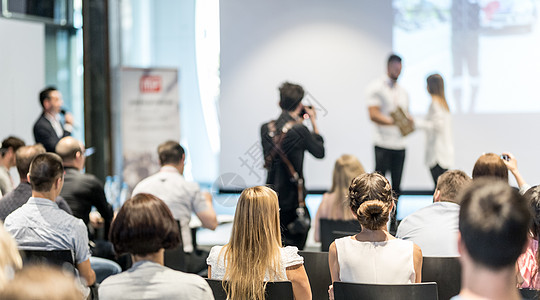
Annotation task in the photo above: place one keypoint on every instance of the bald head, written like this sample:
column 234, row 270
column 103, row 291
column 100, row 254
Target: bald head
column 71, row 151
column 23, row 158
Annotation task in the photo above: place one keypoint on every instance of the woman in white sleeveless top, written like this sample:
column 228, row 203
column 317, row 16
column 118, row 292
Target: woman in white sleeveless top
column 373, row 255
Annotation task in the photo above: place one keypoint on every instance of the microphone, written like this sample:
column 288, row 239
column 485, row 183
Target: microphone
column 63, row 111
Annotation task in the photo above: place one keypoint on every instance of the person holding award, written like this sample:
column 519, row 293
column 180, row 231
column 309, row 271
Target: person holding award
column 388, row 104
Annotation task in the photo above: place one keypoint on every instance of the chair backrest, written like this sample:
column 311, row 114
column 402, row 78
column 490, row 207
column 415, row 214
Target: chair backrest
column 413, row 291
column 59, row 258
column 528, row 294
column 329, row 229
column 318, row 272
column 446, row 272
column 275, row 290
column 176, row 258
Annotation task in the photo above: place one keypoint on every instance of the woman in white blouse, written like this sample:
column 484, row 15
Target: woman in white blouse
column 438, row 125
column 254, row 253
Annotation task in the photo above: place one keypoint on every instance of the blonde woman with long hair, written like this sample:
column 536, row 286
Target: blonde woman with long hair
column 438, row 126
column 334, row 204
column 10, row 260
column 254, row 254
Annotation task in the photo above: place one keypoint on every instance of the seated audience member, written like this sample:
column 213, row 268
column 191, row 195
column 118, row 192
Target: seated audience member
column 42, row 282
column 373, row 255
column 10, row 259
column 23, row 191
column 82, row 191
column 7, row 160
column 493, row 165
column 334, row 204
column 41, row 225
column 435, row 228
column 144, row 228
column 528, row 261
column 254, row 253
column 182, row 197
column 493, row 224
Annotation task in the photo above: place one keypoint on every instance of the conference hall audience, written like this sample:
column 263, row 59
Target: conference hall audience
column 10, row 259
column 41, row 225
column 373, row 255
column 8, row 148
column 434, row 228
column 254, row 253
column 528, row 261
column 42, row 282
column 494, row 223
column 23, row 191
column 144, row 228
column 334, row 204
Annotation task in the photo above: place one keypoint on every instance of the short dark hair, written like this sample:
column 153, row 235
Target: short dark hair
column 45, row 93
column 290, row 96
column 11, row 142
column 393, row 58
column 24, row 156
column 490, row 164
column 450, row 183
column 494, row 222
column 170, row 152
column 144, row 225
column 45, row 169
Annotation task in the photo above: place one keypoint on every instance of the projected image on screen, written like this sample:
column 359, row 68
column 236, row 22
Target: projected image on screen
column 487, row 52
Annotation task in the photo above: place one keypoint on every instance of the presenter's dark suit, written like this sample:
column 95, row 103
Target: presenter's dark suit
column 297, row 140
column 19, row 196
column 44, row 134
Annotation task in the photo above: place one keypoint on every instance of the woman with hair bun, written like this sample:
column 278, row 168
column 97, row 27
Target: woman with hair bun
column 373, row 255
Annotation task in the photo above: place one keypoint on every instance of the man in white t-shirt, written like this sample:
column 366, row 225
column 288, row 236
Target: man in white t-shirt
column 384, row 96
column 182, row 197
column 435, row 228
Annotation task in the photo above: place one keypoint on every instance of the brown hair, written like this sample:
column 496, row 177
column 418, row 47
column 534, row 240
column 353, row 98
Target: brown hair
column 170, row 152
column 11, row 142
column 493, row 221
column 450, row 183
column 290, row 95
column 346, row 168
column 435, row 87
column 143, row 226
column 490, row 164
column 45, row 169
column 371, row 197
column 24, row 156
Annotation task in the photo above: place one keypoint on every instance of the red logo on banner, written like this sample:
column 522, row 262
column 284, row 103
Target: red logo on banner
column 150, row 84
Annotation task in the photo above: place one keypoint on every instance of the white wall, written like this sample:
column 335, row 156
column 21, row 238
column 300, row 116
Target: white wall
column 22, row 76
column 332, row 48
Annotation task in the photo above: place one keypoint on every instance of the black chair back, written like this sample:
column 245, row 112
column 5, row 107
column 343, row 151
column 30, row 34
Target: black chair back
column 446, row 272
column 413, row 291
column 330, row 229
column 528, row 294
column 176, row 258
column 318, row 272
column 58, row 258
column 275, row 290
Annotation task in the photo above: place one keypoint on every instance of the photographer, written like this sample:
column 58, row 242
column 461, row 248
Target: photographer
column 284, row 142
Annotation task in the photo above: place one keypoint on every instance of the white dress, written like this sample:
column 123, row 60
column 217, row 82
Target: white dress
column 388, row 262
column 289, row 258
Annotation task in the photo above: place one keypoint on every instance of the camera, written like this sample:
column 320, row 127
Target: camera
column 505, row 157
column 303, row 113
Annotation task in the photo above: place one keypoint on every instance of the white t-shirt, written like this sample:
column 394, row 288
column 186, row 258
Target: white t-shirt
column 433, row 228
column 182, row 197
column 289, row 258
column 387, row 97
column 388, row 262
